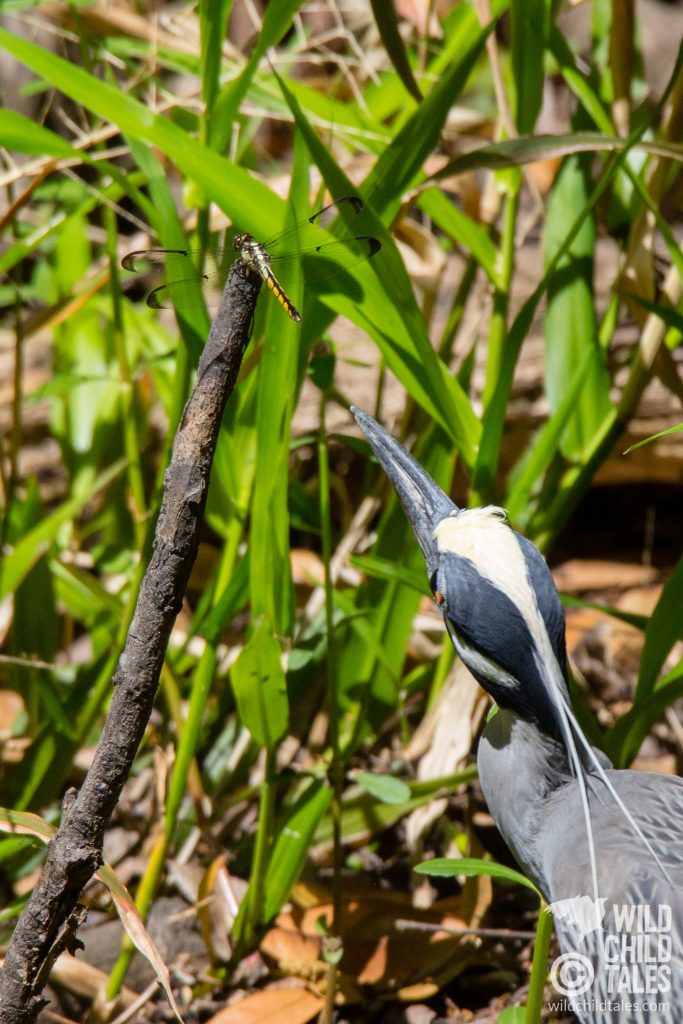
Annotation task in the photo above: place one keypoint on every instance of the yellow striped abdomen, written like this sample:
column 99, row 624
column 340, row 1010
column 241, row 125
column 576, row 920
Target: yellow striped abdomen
column 281, row 295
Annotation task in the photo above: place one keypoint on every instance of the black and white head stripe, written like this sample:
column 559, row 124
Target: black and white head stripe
column 503, row 611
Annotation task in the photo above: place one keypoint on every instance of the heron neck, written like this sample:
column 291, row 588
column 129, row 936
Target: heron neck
column 520, row 768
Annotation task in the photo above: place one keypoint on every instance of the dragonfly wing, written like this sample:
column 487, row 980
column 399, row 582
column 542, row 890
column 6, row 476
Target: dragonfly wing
column 299, row 251
column 181, row 294
column 347, row 206
column 142, row 261
column 307, row 232
column 184, row 283
column 320, row 262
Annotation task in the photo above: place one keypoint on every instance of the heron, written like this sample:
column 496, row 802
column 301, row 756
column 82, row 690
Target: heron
column 604, row 846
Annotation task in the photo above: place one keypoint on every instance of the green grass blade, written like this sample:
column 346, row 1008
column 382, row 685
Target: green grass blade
column 387, row 569
column 539, row 967
column 385, row 788
column 570, row 321
column 213, row 22
column 671, row 317
column 292, row 845
column 472, row 867
column 622, row 742
column 527, row 43
column 664, row 629
column 400, row 166
column 387, row 24
column 529, row 148
column 528, row 474
column 277, row 21
column 21, row 135
column 258, row 682
column 364, row 815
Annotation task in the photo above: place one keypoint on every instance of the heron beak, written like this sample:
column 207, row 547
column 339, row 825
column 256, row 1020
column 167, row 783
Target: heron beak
column 424, row 503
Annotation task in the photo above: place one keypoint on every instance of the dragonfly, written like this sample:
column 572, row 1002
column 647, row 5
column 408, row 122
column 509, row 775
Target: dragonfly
column 298, row 251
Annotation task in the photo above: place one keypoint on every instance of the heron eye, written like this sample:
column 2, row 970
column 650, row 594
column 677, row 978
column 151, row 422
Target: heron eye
column 438, row 596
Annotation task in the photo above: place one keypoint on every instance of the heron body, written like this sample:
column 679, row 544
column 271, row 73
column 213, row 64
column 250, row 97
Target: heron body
column 603, row 846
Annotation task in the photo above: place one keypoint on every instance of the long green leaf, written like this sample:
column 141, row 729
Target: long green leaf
column 387, row 23
column 213, row 22
column 622, row 742
column 671, row 317
column 385, row 788
column 20, row 134
column 365, row 816
column 400, row 165
column 664, row 629
column 277, row 22
column 530, row 148
column 527, row 42
column 570, row 323
column 260, row 688
column 471, row 867
column 462, row 229
column 291, row 848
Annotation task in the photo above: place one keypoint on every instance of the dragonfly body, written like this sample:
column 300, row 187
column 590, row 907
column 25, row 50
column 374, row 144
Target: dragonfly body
column 303, row 250
column 257, row 258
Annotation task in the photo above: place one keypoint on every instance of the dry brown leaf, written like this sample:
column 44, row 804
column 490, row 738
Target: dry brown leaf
column 11, row 705
column 423, row 257
column 87, row 981
column 307, row 567
column 417, row 993
column 421, row 15
column 544, row 173
column 219, row 897
column 294, row 952
column 109, row 20
column 376, row 950
column 272, row 1006
column 664, row 763
column 137, row 932
column 443, row 740
column 580, row 575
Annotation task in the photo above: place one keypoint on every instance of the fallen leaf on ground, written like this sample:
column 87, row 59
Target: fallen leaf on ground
column 272, row 1006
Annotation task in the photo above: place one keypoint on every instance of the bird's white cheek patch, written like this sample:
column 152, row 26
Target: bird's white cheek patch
column 483, row 537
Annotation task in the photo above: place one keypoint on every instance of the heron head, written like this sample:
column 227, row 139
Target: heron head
column 498, row 599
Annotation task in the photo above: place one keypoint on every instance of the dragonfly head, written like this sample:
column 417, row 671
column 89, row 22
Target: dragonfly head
column 240, row 240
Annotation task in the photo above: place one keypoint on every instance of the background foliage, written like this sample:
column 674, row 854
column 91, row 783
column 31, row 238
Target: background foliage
column 130, row 126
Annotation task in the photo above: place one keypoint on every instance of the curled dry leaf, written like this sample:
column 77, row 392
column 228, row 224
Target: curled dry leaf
column 423, row 257
column 219, row 898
